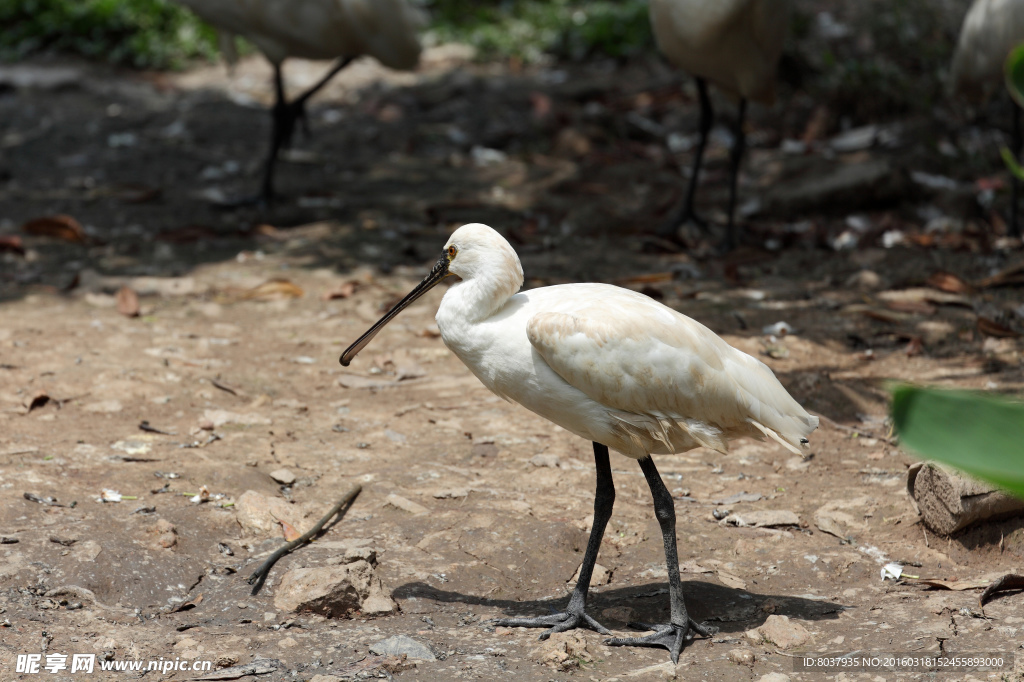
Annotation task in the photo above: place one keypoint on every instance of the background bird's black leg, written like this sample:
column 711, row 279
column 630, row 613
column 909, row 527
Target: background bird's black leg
column 279, row 134
column 298, row 107
column 676, row 632
column 685, row 211
column 735, row 158
column 1014, row 182
column 575, row 614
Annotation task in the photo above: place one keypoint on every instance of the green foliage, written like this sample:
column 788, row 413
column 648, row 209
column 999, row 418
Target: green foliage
column 529, row 29
column 140, row 33
column 1013, row 70
column 980, row 434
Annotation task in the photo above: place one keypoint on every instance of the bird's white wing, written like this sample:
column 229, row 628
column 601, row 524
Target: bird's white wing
column 990, row 30
column 639, row 357
column 388, row 28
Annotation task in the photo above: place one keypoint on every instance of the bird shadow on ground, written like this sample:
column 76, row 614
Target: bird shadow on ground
column 730, row 609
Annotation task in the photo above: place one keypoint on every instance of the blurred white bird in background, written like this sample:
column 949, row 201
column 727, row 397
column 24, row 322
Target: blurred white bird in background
column 315, row 29
column 735, row 45
column 612, row 366
column 991, row 29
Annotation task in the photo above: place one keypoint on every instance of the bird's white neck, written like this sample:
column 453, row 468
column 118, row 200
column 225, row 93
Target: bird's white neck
column 474, row 300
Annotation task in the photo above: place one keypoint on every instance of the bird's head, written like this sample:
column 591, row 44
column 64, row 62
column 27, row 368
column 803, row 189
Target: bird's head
column 474, row 252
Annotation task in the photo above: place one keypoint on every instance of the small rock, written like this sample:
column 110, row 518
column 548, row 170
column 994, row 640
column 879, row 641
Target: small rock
column 283, row 476
column 563, row 651
column 226, row 660
column 453, row 493
column 601, row 576
column 167, row 537
column 551, row 461
column 402, row 644
column 783, row 632
column 865, row 280
column 406, row 505
column 325, row 678
column 288, row 643
column 334, row 591
column 367, row 554
column 742, row 656
column 774, row 677
column 259, row 515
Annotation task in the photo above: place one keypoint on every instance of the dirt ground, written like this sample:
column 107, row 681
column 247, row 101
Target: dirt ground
column 243, row 314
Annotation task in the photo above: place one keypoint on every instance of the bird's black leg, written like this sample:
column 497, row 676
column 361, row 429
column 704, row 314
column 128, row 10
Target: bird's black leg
column 285, row 115
column 735, row 157
column 575, row 614
column 685, row 211
column 1014, row 181
column 676, row 632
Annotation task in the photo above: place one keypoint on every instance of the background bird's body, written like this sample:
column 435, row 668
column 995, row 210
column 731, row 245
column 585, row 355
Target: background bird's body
column 616, row 367
column 734, row 44
column 314, row 29
column 990, row 30
column 320, row 29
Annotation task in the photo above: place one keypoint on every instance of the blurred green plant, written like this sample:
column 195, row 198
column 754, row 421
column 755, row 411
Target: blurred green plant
column 980, row 434
column 140, row 33
column 531, row 29
column 1013, row 72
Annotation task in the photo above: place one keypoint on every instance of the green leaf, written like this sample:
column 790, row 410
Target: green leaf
column 1013, row 71
column 980, row 434
column 1011, row 163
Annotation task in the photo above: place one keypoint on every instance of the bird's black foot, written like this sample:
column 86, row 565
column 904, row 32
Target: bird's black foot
column 557, row 622
column 669, row 636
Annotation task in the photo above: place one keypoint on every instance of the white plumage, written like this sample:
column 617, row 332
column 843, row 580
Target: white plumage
column 990, row 30
column 606, row 363
column 315, row 29
column 734, row 45
column 614, row 367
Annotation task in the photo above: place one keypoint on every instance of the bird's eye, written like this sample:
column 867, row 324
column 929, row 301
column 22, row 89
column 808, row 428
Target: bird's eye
column 451, row 252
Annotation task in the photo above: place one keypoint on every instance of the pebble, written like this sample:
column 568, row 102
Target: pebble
column 403, row 644
column 783, row 632
column 283, row 476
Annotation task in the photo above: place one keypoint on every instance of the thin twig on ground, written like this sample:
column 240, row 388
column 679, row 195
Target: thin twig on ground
column 260, row 575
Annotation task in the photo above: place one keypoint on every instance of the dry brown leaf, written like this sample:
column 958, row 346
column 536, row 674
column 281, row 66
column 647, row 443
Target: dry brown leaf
column 269, row 231
column 956, row 585
column 191, row 604
column 914, row 347
column 289, row 531
column 912, row 307
column 272, row 290
column 344, row 290
column 60, row 226
column 950, row 283
column 127, row 302
column 10, row 242
column 992, row 328
column 1006, row 277
column 134, row 193
column 1010, row 581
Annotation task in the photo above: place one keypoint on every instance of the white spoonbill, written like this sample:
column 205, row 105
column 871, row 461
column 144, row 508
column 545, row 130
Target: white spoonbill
column 614, row 367
column 734, row 44
column 990, row 30
column 315, row 29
